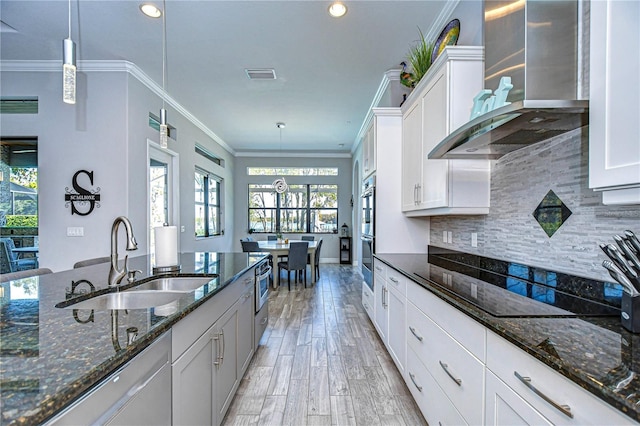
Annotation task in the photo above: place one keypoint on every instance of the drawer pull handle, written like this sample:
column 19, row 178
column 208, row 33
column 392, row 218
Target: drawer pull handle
column 378, row 268
column 413, row 379
column 564, row 409
column 413, row 331
column 445, row 367
column 393, row 280
column 264, row 321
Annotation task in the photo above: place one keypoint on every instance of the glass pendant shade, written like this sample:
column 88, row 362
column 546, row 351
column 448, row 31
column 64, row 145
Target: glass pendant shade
column 68, row 71
column 280, row 185
column 164, row 128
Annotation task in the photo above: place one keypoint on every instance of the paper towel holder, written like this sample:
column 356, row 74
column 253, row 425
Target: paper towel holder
column 166, row 269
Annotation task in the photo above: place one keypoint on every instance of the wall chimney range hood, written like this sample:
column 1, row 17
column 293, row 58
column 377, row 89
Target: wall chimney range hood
column 535, row 43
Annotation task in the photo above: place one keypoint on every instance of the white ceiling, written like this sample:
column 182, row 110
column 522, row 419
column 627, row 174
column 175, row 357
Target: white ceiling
column 328, row 69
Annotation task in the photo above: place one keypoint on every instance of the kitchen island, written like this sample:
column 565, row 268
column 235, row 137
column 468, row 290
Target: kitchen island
column 591, row 349
column 51, row 356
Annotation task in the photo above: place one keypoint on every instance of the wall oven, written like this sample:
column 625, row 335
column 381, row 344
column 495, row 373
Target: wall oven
column 368, row 229
column 263, row 272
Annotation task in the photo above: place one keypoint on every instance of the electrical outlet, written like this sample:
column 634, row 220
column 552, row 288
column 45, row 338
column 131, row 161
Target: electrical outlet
column 474, row 291
column 474, row 239
column 444, row 236
column 75, row 231
column 182, row 228
column 450, row 237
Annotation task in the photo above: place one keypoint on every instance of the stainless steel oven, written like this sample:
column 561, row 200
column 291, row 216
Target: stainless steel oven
column 263, row 272
column 368, row 228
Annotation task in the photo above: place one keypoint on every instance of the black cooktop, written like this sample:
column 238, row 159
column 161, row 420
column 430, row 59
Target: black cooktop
column 507, row 289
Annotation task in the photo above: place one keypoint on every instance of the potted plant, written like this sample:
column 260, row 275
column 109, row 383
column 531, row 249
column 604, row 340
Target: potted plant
column 420, row 60
column 279, row 237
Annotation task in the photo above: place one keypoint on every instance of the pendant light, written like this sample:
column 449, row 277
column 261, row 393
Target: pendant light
column 280, row 185
column 164, row 128
column 69, row 67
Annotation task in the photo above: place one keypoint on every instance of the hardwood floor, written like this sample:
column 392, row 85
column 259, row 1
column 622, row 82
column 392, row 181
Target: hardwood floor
column 321, row 362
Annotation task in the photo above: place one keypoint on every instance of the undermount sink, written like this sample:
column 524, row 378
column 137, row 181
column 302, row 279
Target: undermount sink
column 180, row 284
column 128, row 300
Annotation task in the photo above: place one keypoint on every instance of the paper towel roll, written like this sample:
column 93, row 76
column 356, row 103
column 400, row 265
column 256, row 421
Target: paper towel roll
column 166, row 246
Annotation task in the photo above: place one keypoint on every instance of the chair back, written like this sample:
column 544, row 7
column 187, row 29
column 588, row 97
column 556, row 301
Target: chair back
column 308, row 238
column 250, row 246
column 317, row 254
column 272, row 238
column 89, row 262
column 298, row 255
column 6, row 260
column 25, row 274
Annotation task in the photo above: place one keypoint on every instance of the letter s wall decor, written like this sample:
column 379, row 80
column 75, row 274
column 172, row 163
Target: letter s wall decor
column 82, row 200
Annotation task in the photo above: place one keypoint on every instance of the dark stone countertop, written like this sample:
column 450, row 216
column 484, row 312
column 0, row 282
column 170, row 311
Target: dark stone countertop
column 50, row 356
column 596, row 352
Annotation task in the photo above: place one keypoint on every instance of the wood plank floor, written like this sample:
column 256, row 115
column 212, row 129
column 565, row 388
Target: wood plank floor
column 321, row 362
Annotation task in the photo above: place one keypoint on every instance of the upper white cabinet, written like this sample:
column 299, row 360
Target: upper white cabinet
column 369, row 151
column 440, row 104
column 614, row 105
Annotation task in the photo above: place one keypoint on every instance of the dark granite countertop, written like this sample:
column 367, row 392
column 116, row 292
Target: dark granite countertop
column 595, row 352
column 50, row 356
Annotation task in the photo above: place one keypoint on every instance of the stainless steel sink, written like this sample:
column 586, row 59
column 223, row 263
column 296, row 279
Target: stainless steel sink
column 181, row 284
column 131, row 299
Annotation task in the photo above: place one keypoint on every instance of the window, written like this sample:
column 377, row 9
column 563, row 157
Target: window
column 302, row 209
column 208, row 204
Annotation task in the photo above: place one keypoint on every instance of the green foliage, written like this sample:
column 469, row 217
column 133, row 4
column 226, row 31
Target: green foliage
column 420, row 57
column 16, row 221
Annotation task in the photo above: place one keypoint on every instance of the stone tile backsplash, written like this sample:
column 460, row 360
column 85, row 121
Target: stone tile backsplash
column 518, row 182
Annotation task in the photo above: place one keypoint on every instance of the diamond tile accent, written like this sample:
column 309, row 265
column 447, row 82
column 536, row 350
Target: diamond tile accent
column 551, row 213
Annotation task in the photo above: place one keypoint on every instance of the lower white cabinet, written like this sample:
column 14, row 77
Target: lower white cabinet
column 246, row 325
column 381, row 312
column 390, row 311
column 368, row 300
column 504, row 407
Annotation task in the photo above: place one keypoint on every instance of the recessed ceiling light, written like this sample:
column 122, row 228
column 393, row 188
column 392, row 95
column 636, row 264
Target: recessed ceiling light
column 337, row 9
column 151, row 10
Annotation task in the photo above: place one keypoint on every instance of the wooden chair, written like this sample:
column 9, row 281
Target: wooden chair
column 89, row 262
column 297, row 261
column 25, row 274
column 316, row 258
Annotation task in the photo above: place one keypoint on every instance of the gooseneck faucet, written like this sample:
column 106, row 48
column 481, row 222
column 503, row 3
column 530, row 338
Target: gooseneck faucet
column 115, row 274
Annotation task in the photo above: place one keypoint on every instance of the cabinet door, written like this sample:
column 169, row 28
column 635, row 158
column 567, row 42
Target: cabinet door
column 193, row 386
column 381, row 313
column 411, row 156
column 614, row 107
column 434, row 121
column 397, row 341
column 226, row 371
column 246, row 323
column 504, row 407
column 369, row 151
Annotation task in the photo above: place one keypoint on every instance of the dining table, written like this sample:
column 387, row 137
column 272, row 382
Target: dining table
column 282, row 249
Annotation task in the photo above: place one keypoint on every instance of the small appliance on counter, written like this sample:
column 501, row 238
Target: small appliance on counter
column 624, row 267
column 166, row 249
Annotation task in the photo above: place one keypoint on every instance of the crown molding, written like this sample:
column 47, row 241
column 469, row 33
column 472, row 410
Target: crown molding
column 272, row 154
column 441, row 20
column 117, row 66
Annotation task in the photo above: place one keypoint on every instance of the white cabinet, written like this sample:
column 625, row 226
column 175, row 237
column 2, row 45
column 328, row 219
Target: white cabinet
column 390, row 311
column 440, row 104
column 226, row 378
column 138, row 393
column 369, row 151
column 246, row 325
column 555, row 397
column 368, row 300
column 614, row 105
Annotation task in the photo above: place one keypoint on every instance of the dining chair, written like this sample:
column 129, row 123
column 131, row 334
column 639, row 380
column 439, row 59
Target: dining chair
column 308, row 238
column 93, row 261
column 15, row 263
column 250, row 246
column 25, row 274
column 272, row 238
column 316, row 258
column 297, row 261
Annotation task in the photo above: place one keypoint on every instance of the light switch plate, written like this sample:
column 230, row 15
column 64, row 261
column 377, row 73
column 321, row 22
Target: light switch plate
column 450, row 237
column 444, row 236
column 75, row 231
column 474, row 239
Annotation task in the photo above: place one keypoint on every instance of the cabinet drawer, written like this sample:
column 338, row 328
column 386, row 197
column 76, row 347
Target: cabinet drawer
column 435, row 407
column 380, row 269
column 456, row 370
column 584, row 407
column 465, row 330
column 397, row 282
column 367, row 300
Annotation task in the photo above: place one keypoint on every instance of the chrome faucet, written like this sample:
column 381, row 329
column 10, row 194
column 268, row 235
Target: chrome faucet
column 115, row 274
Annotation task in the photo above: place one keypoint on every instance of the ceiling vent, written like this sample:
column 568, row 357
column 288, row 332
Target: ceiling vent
column 261, row 74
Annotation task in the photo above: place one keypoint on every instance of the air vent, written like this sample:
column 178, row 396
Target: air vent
column 261, row 74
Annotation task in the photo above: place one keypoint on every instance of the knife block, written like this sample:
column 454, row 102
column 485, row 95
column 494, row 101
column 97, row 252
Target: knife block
column 630, row 314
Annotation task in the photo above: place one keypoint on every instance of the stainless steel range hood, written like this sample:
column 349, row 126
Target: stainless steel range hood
column 535, row 43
